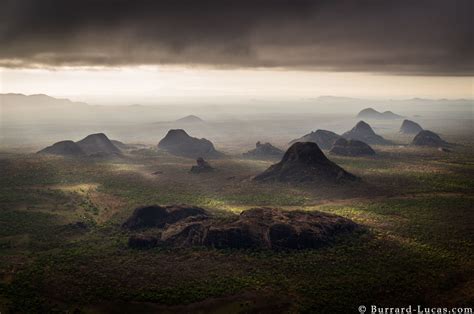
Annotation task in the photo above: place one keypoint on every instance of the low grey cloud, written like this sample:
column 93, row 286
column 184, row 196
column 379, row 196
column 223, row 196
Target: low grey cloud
column 425, row 37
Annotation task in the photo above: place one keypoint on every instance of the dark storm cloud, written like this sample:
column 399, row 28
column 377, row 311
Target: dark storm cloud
column 432, row 37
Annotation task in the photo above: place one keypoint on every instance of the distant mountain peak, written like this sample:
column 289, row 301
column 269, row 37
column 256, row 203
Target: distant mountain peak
column 369, row 110
column 325, row 139
column 363, row 132
column 371, row 113
column 363, row 126
column 410, row 127
column 190, row 119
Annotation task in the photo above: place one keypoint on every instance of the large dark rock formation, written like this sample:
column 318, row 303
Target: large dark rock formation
column 410, row 127
column 264, row 151
column 201, row 166
column 269, row 228
column 354, row 148
column 178, row 142
column 325, row 139
column 257, row 228
column 305, row 162
column 64, row 148
column 363, row 132
column 159, row 216
column 98, row 143
column 429, row 138
column 370, row 113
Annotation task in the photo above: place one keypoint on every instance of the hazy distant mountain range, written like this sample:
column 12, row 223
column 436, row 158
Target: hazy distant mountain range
column 40, row 108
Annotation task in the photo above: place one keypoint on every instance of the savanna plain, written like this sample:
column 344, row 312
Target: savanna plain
column 63, row 248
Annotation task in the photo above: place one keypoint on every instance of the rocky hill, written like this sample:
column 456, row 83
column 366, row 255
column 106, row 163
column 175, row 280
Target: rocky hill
column 305, row 162
column 352, row 148
column 178, row 142
column 64, row 148
column 264, row 151
column 98, row 143
column 410, row 127
column 325, row 139
column 429, row 138
column 95, row 145
column 364, row 133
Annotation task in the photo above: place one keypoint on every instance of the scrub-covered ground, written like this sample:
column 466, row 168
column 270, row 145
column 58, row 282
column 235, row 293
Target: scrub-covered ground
column 62, row 247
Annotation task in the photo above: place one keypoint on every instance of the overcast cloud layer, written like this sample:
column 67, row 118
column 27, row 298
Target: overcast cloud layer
column 431, row 37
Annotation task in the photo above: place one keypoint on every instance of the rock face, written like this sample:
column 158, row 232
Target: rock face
column 364, row 133
column 264, row 151
column 370, row 113
column 98, row 143
column 325, row 139
column 178, row 142
column 201, row 166
column 159, row 216
column 269, row 228
column 140, row 241
column 410, row 127
column 354, row 148
column 64, row 148
column 429, row 138
column 305, row 162
column 256, row 228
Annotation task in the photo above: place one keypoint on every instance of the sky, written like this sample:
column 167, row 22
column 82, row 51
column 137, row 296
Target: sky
column 117, row 50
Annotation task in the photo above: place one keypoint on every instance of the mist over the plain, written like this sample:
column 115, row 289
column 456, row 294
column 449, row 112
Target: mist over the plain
column 31, row 122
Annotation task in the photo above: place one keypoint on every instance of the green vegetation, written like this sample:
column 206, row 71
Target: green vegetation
column 416, row 246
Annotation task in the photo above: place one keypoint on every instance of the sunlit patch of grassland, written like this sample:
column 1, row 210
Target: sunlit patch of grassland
column 126, row 167
column 81, row 189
